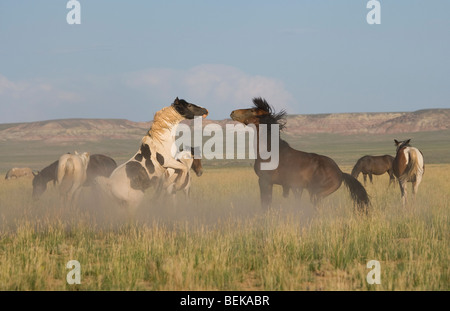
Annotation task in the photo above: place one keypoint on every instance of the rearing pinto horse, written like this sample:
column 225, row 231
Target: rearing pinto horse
column 128, row 182
column 297, row 170
column 408, row 166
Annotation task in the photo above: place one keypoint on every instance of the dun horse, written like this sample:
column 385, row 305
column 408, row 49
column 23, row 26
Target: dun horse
column 71, row 175
column 128, row 182
column 99, row 165
column 408, row 166
column 374, row 165
column 297, row 170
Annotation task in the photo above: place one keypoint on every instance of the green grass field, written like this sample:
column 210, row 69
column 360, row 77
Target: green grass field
column 222, row 240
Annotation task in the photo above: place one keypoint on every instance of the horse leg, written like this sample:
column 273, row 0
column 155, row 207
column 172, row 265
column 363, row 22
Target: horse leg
column 391, row 179
column 76, row 196
column 286, row 191
column 403, row 185
column 187, row 193
column 415, row 185
column 316, row 200
column 365, row 179
column 265, row 191
column 370, row 177
column 172, row 163
column 298, row 193
column 158, row 189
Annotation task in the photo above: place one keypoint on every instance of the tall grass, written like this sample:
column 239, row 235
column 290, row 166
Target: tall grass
column 222, row 240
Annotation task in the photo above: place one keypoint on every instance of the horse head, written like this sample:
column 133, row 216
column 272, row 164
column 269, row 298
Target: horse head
column 188, row 110
column 260, row 113
column 401, row 144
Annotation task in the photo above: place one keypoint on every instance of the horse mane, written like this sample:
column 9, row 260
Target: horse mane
column 273, row 117
column 48, row 173
column 162, row 121
column 405, row 144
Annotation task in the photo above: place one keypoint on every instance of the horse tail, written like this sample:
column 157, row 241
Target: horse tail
column 65, row 174
column 357, row 191
column 356, row 169
column 413, row 166
column 60, row 170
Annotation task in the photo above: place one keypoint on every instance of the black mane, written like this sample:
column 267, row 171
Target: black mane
column 273, row 117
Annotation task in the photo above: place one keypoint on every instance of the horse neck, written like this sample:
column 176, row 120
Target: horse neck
column 49, row 173
column 268, row 143
column 164, row 123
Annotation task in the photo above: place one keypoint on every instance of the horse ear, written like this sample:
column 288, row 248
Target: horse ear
column 176, row 100
column 407, row 142
column 35, row 173
column 396, row 142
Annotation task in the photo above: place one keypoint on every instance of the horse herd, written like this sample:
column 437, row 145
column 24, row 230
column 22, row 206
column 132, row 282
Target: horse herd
column 155, row 164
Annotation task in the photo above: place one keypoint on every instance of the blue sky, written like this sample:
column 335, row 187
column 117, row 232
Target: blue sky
column 129, row 59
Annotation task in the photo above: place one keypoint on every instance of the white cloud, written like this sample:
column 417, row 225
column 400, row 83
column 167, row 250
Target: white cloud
column 215, row 86
column 28, row 100
column 137, row 95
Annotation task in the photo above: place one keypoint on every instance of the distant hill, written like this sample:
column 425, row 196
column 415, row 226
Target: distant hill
column 371, row 123
column 73, row 130
column 85, row 130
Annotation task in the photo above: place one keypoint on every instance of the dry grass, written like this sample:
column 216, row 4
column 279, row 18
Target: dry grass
column 222, row 240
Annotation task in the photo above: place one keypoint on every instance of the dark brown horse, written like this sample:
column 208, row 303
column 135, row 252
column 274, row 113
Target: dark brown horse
column 408, row 166
column 99, row 165
column 374, row 165
column 297, row 170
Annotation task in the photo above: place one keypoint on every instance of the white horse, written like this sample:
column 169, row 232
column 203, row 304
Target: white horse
column 408, row 166
column 128, row 182
column 70, row 175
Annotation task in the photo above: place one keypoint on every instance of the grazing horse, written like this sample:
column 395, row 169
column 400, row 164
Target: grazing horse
column 17, row 172
column 187, row 158
column 71, row 175
column 376, row 165
column 297, row 170
column 128, row 182
column 408, row 166
column 99, row 165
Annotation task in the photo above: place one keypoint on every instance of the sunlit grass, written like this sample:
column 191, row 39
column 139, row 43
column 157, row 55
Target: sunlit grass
column 222, row 240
